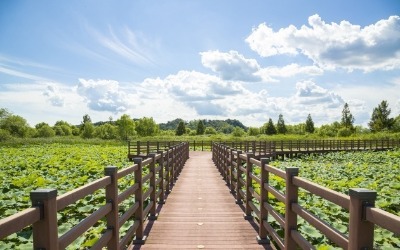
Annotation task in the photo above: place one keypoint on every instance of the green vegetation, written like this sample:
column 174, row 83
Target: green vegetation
column 60, row 166
column 381, row 126
column 340, row 171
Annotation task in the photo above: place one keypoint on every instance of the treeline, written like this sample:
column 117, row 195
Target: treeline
column 14, row 126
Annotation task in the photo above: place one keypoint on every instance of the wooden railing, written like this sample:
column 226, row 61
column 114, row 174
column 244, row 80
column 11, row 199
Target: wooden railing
column 279, row 148
column 163, row 169
column 237, row 166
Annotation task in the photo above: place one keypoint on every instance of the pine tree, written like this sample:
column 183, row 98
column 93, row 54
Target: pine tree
column 200, row 128
column 309, row 124
column 280, row 126
column 347, row 117
column 180, row 130
column 380, row 119
column 270, row 128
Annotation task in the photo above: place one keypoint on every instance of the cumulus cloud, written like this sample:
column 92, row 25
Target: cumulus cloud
column 270, row 73
column 103, row 95
column 54, row 96
column 334, row 45
column 310, row 93
column 209, row 95
column 231, row 66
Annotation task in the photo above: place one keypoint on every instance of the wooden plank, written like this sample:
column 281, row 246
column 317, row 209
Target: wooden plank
column 200, row 213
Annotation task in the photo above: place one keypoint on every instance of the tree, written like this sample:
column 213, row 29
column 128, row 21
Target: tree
column 253, row 131
column 87, row 127
column 309, row 125
column 107, row 131
column 4, row 113
column 280, row 126
column 181, row 129
column 87, row 130
column 200, row 128
column 396, row 124
column 269, row 128
column 126, row 127
column 44, row 130
column 15, row 125
column 147, row 127
column 210, row 131
column 238, row 132
column 347, row 117
column 380, row 119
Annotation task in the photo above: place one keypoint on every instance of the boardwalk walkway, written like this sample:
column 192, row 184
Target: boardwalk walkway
column 200, row 213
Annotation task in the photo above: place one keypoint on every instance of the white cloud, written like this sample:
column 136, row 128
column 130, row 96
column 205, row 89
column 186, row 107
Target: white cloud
column 53, row 95
column 331, row 46
column 209, row 96
column 104, row 95
column 269, row 73
column 231, row 66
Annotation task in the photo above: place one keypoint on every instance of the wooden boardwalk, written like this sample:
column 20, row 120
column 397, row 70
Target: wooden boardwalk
column 200, row 213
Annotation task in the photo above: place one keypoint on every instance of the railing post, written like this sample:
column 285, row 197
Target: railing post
column 112, row 197
column 249, row 169
column 232, row 187
column 239, row 183
column 361, row 231
column 262, row 231
column 45, row 232
column 172, row 167
column 168, row 169
column 161, row 175
column 139, row 238
column 138, row 147
column 153, row 198
column 291, row 196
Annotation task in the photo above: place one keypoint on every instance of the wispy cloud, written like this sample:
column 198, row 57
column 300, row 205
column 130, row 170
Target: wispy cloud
column 126, row 44
column 18, row 67
column 13, row 72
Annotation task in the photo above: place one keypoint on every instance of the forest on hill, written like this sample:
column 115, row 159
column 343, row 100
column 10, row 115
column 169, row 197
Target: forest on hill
column 381, row 125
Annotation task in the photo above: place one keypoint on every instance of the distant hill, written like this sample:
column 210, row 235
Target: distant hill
column 224, row 126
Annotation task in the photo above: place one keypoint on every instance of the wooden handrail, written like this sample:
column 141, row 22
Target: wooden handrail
column 46, row 203
column 362, row 215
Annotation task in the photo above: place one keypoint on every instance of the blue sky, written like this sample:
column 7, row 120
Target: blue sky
column 246, row 60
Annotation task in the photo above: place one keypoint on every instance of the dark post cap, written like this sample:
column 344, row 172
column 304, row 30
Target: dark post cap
column 43, row 194
column 362, row 193
column 137, row 160
column 110, row 170
column 292, row 171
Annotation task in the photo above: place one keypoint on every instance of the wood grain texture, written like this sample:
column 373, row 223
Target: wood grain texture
column 200, row 213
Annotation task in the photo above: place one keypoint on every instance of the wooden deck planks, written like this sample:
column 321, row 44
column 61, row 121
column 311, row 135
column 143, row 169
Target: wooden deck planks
column 200, row 213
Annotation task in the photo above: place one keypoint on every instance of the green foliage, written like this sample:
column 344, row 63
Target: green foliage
column 146, row 127
column 238, row 132
column 329, row 130
column 87, row 130
column 4, row 135
column 107, row 131
column 210, row 131
column 60, row 166
column 45, row 131
column 200, row 128
column 253, row 131
column 309, row 128
column 181, row 129
column 269, row 128
column 126, row 128
column 280, row 126
column 347, row 118
column 380, row 119
column 341, row 171
column 15, row 125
